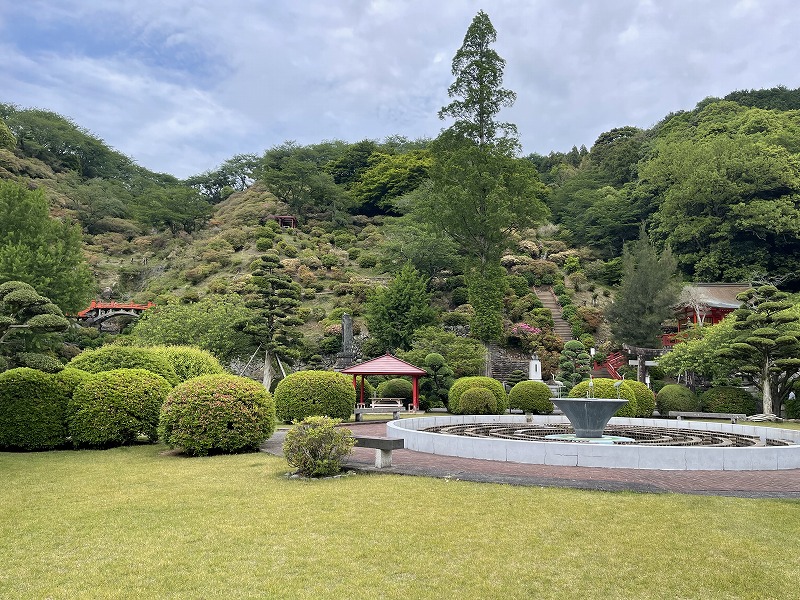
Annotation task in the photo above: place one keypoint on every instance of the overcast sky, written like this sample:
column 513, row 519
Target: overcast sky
column 182, row 85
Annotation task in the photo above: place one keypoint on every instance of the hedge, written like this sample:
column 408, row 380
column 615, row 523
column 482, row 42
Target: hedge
column 217, row 413
column 464, row 383
column 189, row 362
column 645, row 399
column 606, row 388
column 115, row 408
column 478, row 401
column 31, row 411
column 674, row 396
column 531, row 397
column 110, row 357
column 311, row 393
column 726, row 399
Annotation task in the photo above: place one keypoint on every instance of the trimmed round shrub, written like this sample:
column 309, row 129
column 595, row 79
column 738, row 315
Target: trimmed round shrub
column 465, row 383
column 115, row 408
column 314, row 393
column 217, row 414
column 531, row 397
column 674, row 396
column 40, row 362
column 606, row 388
column 726, row 399
column 478, row 401
column 189, row 362
column 108, row 358
column 31, row 411
column 645, row 399
column 315, row 446
column 68, row 380
column 396, row 388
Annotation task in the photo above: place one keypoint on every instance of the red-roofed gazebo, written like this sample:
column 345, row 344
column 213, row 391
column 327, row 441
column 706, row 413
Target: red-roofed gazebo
column 387, row 365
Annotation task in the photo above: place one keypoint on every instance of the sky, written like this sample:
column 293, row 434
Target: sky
column 182, row 85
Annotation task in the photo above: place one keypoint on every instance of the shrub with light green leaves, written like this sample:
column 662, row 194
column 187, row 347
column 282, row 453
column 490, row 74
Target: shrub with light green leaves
column 217, row 414
column 465, row 383
column 645, row 398
column 110, row 357
column 478, row 401
column 676, row 397
column 31, row 411
column 531, row 397
column 189, row 362
column 606, row 388
column 396, row 388
column 116, row 408
column 314, row 393
column 726, row 399
column 316, row 446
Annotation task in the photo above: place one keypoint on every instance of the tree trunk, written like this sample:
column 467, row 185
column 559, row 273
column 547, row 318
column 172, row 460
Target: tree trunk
column 766, row 389
column 267, row 381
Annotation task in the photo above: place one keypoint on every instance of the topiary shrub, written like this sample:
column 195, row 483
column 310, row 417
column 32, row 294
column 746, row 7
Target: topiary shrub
column 31, row 411
column 217, row 414
column 674, row 396
column 315, row 446
column 189, row 362
column 478, row 401
column 465, row 383
column 40, row 362
column 108, row 358
column 531, row 397
column 68, row 380
column 396, row 388
column 115, row 408
column 726, row 399
column 645, row 399
column 314, row 393
column 605, row 388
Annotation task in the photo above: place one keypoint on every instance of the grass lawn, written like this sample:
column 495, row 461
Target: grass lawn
column 138, row 522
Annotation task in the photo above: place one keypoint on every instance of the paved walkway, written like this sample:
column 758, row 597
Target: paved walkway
column 745, row 484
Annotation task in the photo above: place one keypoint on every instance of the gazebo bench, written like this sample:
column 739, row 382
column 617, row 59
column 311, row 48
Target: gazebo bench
column 393, row 409
column 680, row 414
column 383, row 448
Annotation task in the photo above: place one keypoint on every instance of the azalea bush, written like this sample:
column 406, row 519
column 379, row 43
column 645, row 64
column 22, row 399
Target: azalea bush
column 316, row 446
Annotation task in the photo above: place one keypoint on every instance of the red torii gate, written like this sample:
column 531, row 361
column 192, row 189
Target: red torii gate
column 387, row 365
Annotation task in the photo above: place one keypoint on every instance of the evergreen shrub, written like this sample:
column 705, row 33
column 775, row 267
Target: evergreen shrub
column 465, row 383
column 674, row 396
column 793, row 406
column 315, row 446
column 114, row 408
column 68, row 380
column 645, row 399
column 40, row 362
column 531, row 397
column 396, row 388
column 217, row 413
column 478, row 401
column 31, row 411
column 110, row 357
column 314, row 393
column 727, row 399
column 605, row 388
column 189, row 362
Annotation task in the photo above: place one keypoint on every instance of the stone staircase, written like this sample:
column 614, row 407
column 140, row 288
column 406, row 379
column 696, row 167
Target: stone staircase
column 561, row 327
column 503, row 361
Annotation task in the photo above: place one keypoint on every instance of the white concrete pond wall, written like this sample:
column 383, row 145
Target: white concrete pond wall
column 758, row 458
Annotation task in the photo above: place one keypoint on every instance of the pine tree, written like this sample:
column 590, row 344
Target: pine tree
column 275, row 298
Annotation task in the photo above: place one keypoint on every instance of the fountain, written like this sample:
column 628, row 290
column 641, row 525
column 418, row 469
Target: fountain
column 589, row 417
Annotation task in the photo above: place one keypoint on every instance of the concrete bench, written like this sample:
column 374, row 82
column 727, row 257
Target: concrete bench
column 394, row 409
column 383, row 448
column 679, row 414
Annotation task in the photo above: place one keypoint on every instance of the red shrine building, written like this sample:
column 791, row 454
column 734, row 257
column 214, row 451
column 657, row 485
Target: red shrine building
column 703, row 304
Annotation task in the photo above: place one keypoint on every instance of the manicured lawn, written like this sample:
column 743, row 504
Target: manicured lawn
column 140, row 523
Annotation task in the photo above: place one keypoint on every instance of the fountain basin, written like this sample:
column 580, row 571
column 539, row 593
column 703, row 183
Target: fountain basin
column 628, row 456
column 589, row 416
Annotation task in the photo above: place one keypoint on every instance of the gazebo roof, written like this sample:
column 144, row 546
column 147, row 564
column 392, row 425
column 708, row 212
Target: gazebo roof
column 712, row 295
column 385, row 365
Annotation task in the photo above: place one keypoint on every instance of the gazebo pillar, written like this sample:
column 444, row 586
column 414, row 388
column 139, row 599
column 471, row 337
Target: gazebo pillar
column 415, row 393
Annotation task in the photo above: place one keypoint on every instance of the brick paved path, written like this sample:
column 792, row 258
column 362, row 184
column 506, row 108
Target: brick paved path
column 747, row 484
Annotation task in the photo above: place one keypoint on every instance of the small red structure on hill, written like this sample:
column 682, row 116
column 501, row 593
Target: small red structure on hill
column 100, row 311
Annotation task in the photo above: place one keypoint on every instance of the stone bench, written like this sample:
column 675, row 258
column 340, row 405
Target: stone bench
column 393, row 408
column 383, row 448
column 679, row 414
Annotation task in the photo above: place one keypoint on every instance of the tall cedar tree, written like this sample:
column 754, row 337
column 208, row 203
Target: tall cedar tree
column 646, row 296
column 480, row 191
column 275, row 299
column 395, row 312
column 767, row 346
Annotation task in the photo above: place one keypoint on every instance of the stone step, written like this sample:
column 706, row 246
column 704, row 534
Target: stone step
column 561, row 327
